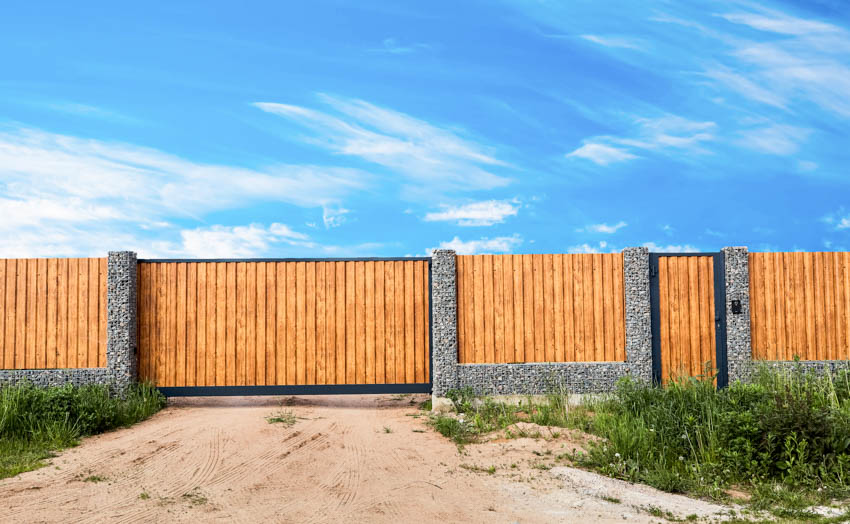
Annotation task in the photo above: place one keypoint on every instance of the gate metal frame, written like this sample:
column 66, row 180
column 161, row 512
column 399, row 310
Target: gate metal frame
column 721, row 349
column 309, row 389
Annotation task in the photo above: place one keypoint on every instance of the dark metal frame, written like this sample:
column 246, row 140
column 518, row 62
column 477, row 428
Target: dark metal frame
column 311, row 389
column 721, row 355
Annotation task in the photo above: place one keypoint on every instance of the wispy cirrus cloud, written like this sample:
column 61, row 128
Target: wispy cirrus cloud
column 486, row 213
column 415, row 149
column 615, row 41
column 659, row 134
column 65, row 195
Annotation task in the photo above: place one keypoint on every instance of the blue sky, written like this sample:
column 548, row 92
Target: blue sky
column 271, row 129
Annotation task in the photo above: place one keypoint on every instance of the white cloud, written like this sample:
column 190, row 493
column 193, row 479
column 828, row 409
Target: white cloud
column 604, row 228
column 806, row 166
column 333, row 216
column 601, row 247
column 415, row 149
column 670, row 248
column 778, row 22
column 483, row 245
column 601, row 154
column 61, row 193
column 235, row 241
column 614, row 41
column 484, row 213
column 776, row 139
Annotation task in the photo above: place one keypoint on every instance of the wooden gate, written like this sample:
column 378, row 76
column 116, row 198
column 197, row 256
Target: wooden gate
column 305, row 326
column 688, row 315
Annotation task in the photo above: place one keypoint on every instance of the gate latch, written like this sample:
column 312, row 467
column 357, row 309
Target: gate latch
column 736, row 307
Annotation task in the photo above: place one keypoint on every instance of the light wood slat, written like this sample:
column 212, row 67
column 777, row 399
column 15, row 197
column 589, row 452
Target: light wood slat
column 30, row 341
column 548, row 309
column 508, row 310
column 519, row 309
column 321, row 323
column 180, row 346
column 251, row 324
column 368, row 299
column 359, row 322
column 4, row 308
column 40, row 360
column 570, row 340
column 341, row 335
column 498, row 310
column 582, row 342
column 271, row 323
column 489, row 320
column 61, row 313
column 389, row 312
column 608, row 317
column 829, row 305
column 478, row 298
column 419, row 350
column 409, row 358
column 665, row 322
column 201, row 328
column 674, row 304
column 619, row 299
column 537, row 308
column 528, row 306
column 558, row 301
column 310, row 324
column 696, row 361
column 426, row 293
column 380, row 325
column 705, row 314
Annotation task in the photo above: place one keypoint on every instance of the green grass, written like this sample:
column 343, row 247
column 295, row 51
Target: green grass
column 284, row 417
column 36, row 422
column 784, row 437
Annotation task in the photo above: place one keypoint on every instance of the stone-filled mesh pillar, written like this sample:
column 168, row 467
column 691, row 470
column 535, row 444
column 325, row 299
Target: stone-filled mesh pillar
column 738, row 345
column 121, row 326
column 443, row 321
column 638, row 312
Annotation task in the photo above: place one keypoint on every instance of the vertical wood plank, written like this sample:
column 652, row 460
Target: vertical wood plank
column 788, row 306
column 170, row 378
column 180, row 326
column 293, row 310
column 73, row 312
column 251, row 323
column 380, row 325
column 528, row 306
column 350, row 326
column 779, row 293
column 220, row 321
column 695, row 357
column 409, row 358
column 300, row 323
column 209, row 349
column 706, row 316
column 558, row 300
column 419, row 321
column 41, row 313
column 590, row 314
column 341, row 335
column 579, row 307
column 664, row 316
column 93, row 320
column 260, row 324
column 160, row 331
column 360, row 322
column 4, row 308
column 330, row 331
column 609, row 320
column 756, row 315
column 271, row 345
column 498, row 310
column 478, row 307
column 538, row 310
column 846, row 288
column 829, row 305
column 321, row 323
column 10, row 269
column 768, row 289
column 836, row 284
column 619, row 309
column 802, row 316
column 201, row 324
column 598, row 309
column 310, row 324
column 507, row 277
column 62, row 315
column 519, row 308
column 684, row 317
column 31, row 320
column 427, row 318
column 489, row 320
column 233, row 362
column 52, row 302
column 389, row 315
column 569, row 310
column 142, row 312
column 675, row 305
column 820, row 314
column 191, row 324
column 368, row 299
column 548, row 309
column 21, row 314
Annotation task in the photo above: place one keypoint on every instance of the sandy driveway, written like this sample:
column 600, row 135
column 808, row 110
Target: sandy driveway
column 347, row 458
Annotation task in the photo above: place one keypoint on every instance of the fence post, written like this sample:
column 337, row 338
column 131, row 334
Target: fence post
column 738, row 343
column 638, row 312
column 121, row 341
column 444, row 321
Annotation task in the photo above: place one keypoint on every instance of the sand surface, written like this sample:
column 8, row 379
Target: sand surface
column 363, row 458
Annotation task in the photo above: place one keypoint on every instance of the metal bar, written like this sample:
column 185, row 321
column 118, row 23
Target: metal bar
column 701, row 254
column 655, row 318
column 720, row 320
column 318, row 389
column 352, row 259
column 431, row 324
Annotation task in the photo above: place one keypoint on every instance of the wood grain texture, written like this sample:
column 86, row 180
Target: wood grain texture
column 540, row 308
column 52, row 313
column 686, row 314
column 800, row 305
column 275, row 323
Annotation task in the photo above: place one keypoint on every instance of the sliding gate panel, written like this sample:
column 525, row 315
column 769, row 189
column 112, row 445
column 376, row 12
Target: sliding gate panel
column 285, row 326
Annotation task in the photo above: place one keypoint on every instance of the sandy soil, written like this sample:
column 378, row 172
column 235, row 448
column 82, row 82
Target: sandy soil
column 346, row 458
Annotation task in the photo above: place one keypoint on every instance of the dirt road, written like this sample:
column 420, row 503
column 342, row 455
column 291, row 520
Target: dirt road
column 346, row 458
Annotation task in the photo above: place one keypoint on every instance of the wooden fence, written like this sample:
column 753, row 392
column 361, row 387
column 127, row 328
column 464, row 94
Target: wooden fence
column 284, row 323
column 800, row 305
column 541, row 308
column 53, row 313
